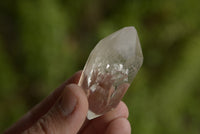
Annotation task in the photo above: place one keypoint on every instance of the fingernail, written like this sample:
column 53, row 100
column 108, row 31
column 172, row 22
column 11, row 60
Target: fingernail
column 67, row 102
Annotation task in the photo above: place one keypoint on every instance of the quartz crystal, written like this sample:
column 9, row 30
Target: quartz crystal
column 110, row 69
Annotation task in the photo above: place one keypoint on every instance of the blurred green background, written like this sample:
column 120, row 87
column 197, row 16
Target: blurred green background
column 44, row 42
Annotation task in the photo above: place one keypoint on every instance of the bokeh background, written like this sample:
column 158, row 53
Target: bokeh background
column 44, row 42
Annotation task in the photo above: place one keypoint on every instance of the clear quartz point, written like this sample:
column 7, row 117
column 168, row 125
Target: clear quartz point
column 110, row 69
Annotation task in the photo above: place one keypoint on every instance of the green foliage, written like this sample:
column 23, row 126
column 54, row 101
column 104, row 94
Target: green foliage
column 43, row 42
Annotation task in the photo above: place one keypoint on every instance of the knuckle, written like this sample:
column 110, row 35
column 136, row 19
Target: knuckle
column 44, row 125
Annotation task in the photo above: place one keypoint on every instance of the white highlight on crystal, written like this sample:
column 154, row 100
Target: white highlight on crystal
column 91, row 115
column 107, row 66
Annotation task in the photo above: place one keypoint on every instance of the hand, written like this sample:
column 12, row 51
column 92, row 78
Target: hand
column 64, row 112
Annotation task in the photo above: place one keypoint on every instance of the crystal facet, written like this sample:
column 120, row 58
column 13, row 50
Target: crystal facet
column 110, row 69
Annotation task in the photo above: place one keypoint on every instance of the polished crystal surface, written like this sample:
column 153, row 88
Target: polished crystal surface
column 110, row 69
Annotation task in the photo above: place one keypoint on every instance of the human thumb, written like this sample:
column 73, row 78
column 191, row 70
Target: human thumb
column 66, row 116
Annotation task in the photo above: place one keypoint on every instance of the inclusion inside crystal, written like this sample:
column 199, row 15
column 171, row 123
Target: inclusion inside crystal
column 110, row 69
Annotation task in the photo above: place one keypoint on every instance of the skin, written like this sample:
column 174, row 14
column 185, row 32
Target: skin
column 64, row 112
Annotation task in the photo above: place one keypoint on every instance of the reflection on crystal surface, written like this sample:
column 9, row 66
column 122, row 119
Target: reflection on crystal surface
column 110, row 69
